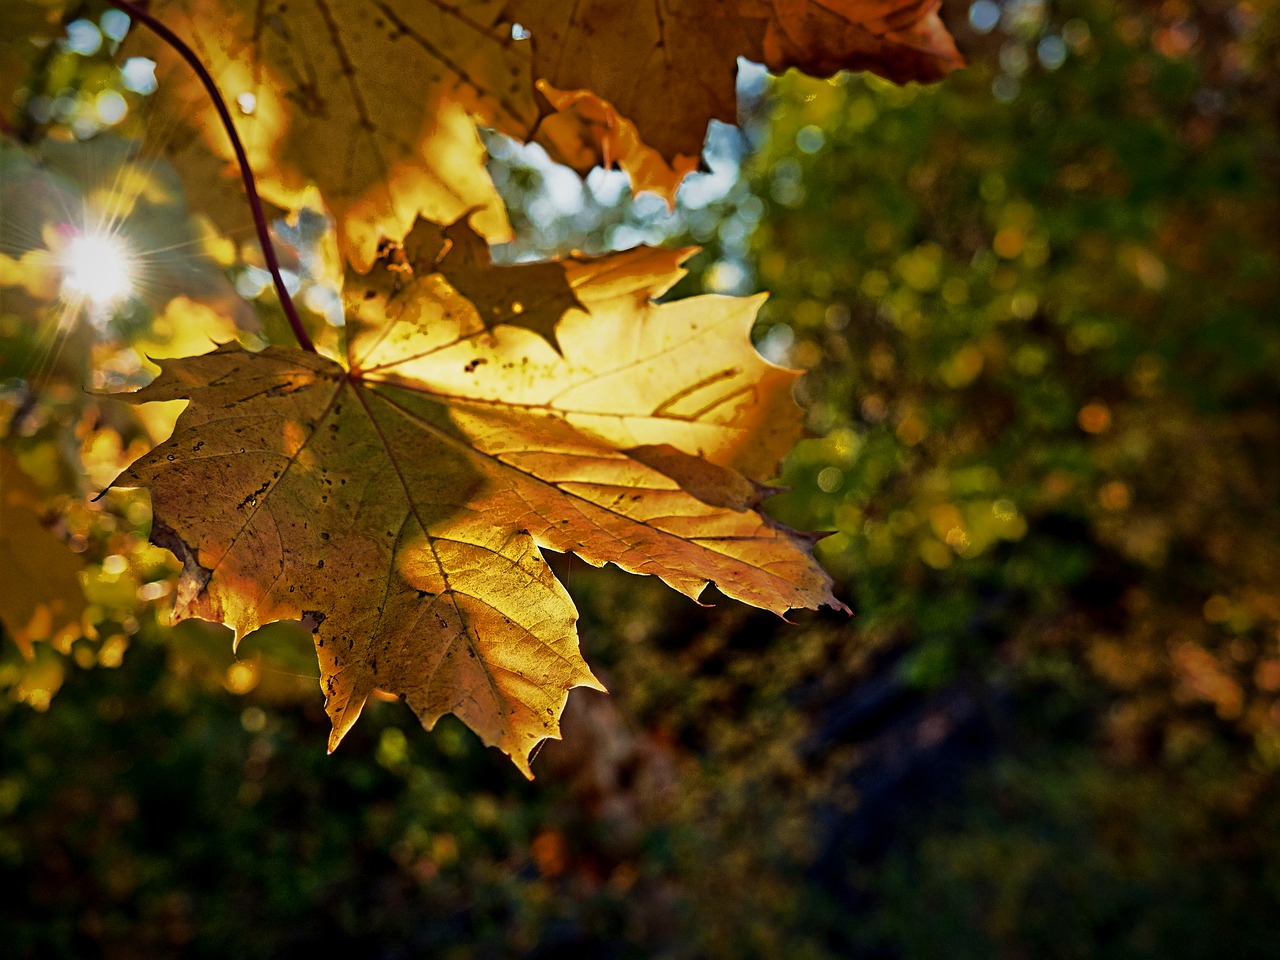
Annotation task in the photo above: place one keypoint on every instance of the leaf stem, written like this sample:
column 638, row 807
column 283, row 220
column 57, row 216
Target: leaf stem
column 135, row 11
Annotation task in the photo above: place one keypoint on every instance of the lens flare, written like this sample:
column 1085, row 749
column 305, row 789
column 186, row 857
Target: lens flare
column 97, row 267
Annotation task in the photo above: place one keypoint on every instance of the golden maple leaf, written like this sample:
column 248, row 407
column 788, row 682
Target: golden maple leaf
column 399, row 501
column 40, row 593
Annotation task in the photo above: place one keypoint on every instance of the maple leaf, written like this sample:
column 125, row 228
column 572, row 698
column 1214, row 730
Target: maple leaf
column 40, row 593
column 388, row 92
column 400, row 501
column 642, row 60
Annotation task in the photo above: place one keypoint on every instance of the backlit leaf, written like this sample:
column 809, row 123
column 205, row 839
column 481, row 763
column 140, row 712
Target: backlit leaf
column 399, row 502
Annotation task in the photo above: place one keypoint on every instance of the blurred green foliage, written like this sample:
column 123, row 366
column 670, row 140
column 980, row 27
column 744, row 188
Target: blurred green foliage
column 1045, row 360
column 1039, row 302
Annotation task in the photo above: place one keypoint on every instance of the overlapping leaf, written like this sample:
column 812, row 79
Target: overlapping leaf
column 668, row 68
column 371, row 100
column 400, row 501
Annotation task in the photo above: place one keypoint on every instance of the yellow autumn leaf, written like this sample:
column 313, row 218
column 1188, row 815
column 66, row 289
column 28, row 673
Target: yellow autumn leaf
column 399, row 501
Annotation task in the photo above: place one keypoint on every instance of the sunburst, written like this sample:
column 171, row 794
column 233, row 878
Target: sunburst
column 99, row 267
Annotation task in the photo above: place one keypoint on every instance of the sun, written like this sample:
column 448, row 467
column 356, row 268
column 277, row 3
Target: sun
column 97, row 267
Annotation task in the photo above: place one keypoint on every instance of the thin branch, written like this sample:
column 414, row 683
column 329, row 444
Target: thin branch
column 255, row 204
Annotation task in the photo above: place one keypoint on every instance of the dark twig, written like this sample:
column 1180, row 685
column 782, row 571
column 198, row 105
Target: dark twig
column 255, row 204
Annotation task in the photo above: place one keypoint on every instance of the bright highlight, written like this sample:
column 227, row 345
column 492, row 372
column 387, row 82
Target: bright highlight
column 97, row 267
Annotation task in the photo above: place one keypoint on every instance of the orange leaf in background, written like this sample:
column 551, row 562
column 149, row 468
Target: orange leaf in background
column 400, row 502
column 900, row 40
column 669, row 68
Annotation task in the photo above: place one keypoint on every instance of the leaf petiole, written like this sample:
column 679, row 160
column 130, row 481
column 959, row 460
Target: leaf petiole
column 255, row 203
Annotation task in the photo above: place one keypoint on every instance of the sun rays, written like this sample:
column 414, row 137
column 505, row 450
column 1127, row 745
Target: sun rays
column 97, row 267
